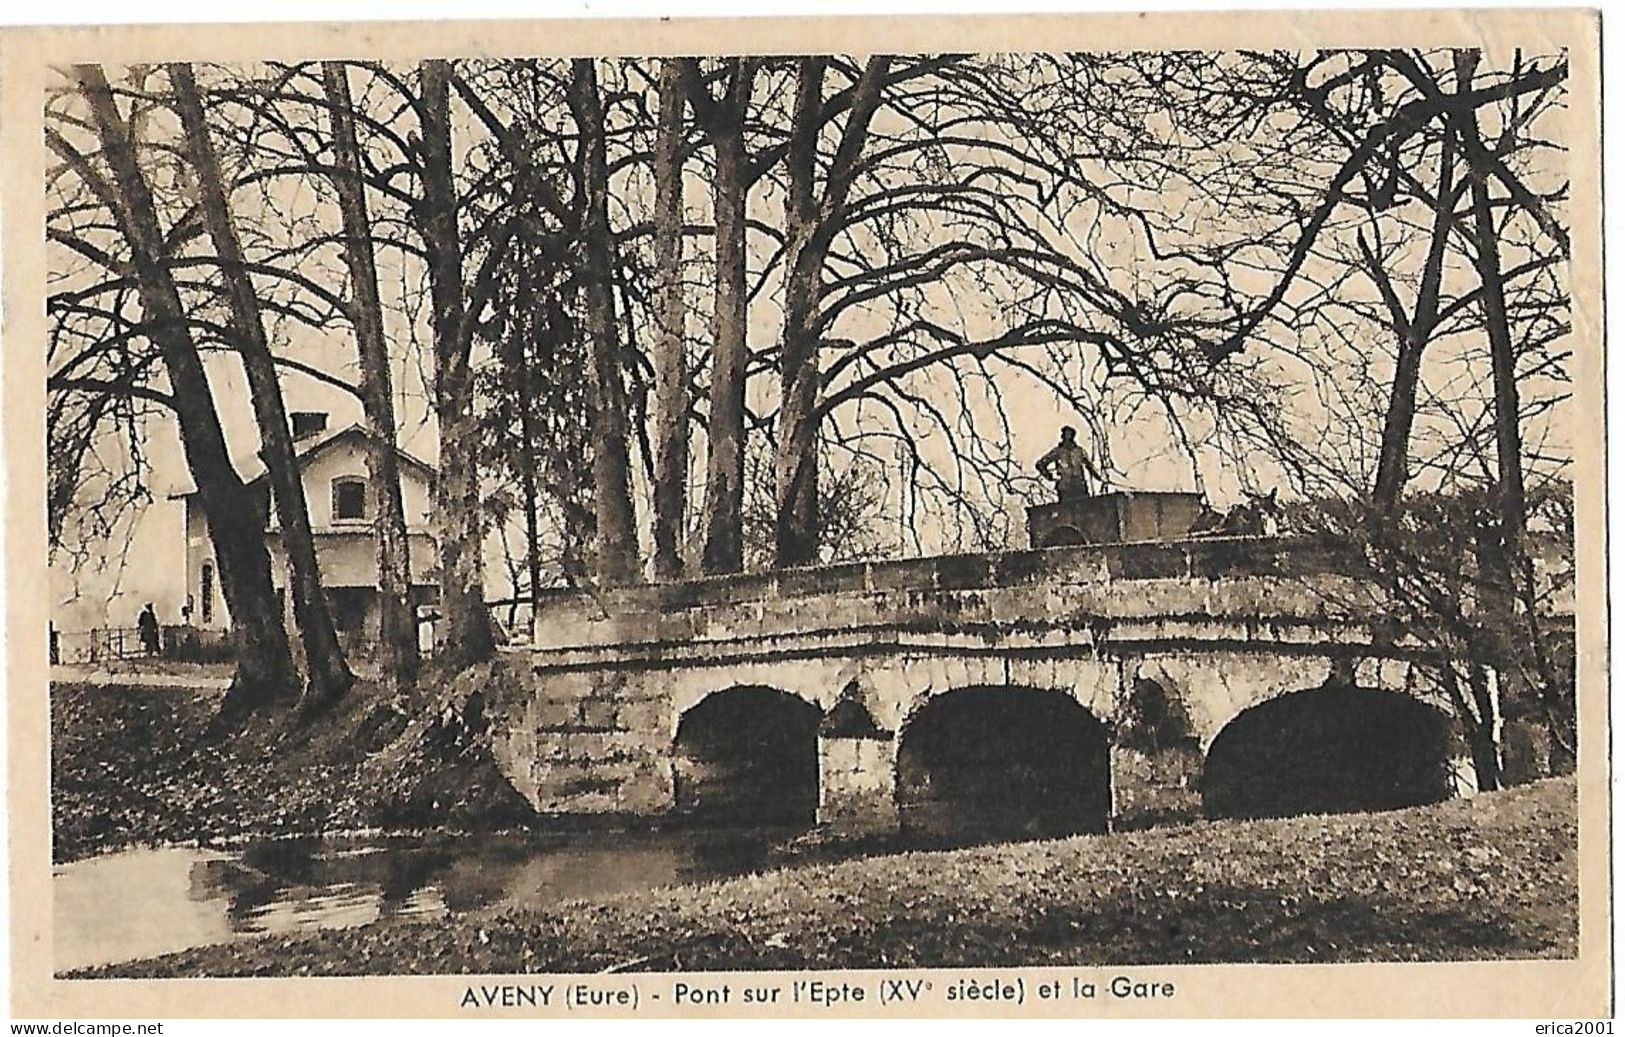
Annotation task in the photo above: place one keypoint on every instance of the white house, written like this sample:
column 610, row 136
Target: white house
column 343, row 504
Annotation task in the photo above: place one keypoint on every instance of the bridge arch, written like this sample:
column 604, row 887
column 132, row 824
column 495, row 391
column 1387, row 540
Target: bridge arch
column 991, row 761
column 747, row 754
column 814, row 681
column 1334, row 748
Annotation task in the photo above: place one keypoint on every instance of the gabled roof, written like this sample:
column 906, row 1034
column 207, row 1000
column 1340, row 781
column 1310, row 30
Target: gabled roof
column 308, row 450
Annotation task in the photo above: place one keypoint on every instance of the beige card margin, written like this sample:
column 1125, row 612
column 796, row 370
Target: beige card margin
column 1544, row 989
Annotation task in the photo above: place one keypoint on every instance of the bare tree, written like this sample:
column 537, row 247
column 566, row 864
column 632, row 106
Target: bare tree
column 812, row 217
column 612, row 492
column 264, row 664
column 1412, row 331
column 397, row 621
column 329, row 673
column 670, row 359
column 467, row 636
column 723, row 122
column 1453, row 554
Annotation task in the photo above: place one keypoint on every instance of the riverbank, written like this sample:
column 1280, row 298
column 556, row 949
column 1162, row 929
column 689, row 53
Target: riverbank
column 1490, row 877
column 138, row 764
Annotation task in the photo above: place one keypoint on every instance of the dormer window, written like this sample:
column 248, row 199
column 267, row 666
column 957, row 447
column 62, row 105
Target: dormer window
column 307, row 423
column 349, row 500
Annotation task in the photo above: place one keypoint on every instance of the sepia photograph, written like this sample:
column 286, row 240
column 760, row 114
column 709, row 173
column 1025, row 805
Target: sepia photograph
column 787, row 510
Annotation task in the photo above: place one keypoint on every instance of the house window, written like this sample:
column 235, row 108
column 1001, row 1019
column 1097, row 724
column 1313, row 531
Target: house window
column 206, row 592
column 349, row 500
column 307, row 423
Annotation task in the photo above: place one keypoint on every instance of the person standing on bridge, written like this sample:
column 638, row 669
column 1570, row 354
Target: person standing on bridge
column 1068, row 467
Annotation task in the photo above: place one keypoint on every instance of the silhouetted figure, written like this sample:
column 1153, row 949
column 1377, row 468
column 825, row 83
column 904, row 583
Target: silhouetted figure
column 1068, row 467
column 147, row 625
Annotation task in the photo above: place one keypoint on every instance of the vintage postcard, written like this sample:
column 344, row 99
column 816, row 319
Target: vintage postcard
column 1091, row 516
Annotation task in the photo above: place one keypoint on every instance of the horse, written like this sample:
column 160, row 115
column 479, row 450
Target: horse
column 1258, row 516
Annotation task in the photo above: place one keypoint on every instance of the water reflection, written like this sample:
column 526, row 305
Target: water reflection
column 140, row 903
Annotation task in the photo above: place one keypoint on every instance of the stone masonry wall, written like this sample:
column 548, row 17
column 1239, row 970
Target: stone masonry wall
column 1224, row 624
column 590, row 743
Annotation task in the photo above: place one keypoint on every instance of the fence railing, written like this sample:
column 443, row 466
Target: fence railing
column 176, row 642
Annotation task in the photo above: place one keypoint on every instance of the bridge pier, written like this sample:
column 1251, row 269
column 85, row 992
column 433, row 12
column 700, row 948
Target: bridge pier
column 857, row 787
column 1155, row 786
column 857, row 778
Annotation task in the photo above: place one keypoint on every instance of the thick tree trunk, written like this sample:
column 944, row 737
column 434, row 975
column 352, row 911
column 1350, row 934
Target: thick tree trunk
column 1504, row 556
column 617, row 545
column 723, row 550
column 795, row 467
column 812, row 220
column 328, row 672
column 670, row 374
column 264, row 665
column 397, row 617
column 466, row 635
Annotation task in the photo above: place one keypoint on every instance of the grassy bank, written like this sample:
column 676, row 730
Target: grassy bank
column 135, row 765
column 1491, row 877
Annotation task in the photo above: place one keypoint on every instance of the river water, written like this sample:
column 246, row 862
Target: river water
column 144, row 902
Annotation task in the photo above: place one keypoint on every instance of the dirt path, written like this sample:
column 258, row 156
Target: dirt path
column 192, row 678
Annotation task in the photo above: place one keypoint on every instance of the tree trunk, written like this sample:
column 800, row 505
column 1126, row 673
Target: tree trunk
column 1486, row 747
column 264, row 665
column 1508, row 436
column 796, row 462
column 670, row 374
column 1491, row 648
column 526, row 398
column 397, row 617
column 616, row 537
column 329, row 674
column 1414, row 336
column 812, row 222
column 466, row 635
column 1478, row 723
column 1504, row 550
column 1394, row 460
column 723, row 551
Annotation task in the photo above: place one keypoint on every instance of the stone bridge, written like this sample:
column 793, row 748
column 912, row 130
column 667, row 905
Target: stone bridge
column 1059, row 690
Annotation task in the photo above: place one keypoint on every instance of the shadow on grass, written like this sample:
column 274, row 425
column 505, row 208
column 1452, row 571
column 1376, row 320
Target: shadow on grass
column 1230, row 924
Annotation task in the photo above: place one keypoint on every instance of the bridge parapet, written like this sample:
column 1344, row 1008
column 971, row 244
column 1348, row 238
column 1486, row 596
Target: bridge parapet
column 1284, row 581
